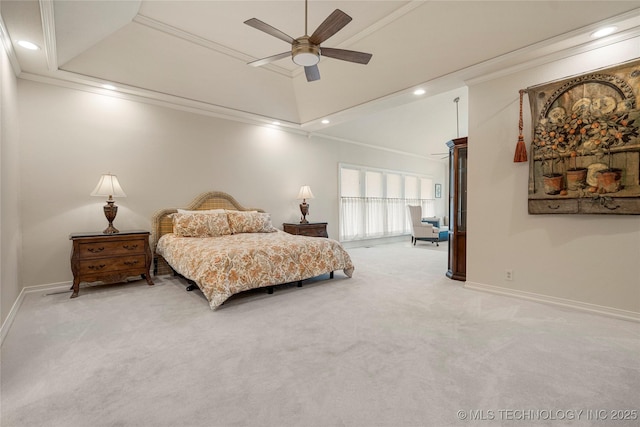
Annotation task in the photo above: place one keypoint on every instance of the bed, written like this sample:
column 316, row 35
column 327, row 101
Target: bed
column 224, row 249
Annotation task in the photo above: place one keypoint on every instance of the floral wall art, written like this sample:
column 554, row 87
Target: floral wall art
column 585, row 151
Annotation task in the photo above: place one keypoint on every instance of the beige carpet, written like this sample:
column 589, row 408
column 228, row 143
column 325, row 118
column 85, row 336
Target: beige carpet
column 399, row 344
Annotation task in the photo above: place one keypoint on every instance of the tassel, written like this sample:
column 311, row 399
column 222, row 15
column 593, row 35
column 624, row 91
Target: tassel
column 521, row 149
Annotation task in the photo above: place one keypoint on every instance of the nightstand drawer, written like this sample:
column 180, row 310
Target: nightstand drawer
column 312, row 229
column 104, row 265
column 315, row 231
column 100, row 249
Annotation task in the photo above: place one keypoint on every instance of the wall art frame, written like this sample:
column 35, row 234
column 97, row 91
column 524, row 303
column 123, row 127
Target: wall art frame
column 438, row 191
column 585, row 149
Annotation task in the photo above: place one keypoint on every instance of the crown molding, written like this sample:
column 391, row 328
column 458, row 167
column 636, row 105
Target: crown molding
column 90, row 84
column 49, row 33
column 371, row 146
column 386, row 20
column 8, row 48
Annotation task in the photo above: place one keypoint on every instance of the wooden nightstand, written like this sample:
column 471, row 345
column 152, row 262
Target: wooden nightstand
column 312, row 229
column 109, row 257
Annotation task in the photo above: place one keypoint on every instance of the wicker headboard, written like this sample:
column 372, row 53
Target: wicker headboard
column 162, row 222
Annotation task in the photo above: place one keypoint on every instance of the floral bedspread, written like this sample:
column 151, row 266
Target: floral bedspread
column 225, row 265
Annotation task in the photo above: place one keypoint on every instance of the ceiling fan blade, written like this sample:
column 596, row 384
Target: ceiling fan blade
column 312, row 73
column 346, row 55
column 259, row 25
column 268, row 59
column 334, row 23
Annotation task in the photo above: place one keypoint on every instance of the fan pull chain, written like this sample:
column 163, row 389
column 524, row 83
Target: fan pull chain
column 521, row 149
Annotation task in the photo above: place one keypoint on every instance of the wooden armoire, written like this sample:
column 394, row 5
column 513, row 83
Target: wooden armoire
column 457, row 209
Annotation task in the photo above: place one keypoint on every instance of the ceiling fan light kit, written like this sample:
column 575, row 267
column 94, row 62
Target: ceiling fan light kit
column 306, row 50
column 304, row 53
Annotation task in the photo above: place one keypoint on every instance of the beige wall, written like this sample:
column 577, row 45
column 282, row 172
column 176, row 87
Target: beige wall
column 589, row 259
column 163, row 158
column 10, row 233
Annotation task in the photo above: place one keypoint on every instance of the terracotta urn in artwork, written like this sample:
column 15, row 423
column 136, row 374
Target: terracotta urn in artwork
column 552, row 183
column 609, row 180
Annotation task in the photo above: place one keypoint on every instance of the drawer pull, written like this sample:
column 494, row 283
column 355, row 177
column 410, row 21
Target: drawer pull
column 606, row 202
column 553, row 207
column 130, row 263
column 130, row 247
column 96, row 250
column 606, row 205
column 97, row 267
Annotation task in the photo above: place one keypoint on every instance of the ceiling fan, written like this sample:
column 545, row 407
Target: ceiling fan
column 306, row 50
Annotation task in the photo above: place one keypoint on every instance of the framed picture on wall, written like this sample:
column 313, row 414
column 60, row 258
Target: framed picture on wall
column 438, row 191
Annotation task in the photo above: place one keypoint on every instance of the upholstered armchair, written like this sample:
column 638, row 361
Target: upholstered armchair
column 421, row 230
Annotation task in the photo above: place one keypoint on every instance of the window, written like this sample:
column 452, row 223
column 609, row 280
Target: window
column 411, row 187
column 394, row 186
column 426, row 188
column 373, row 202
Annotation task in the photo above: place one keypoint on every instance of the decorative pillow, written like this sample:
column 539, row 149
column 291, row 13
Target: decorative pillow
column 186, row 211
column 435, row 221
column 201, row 225
column 250, row 222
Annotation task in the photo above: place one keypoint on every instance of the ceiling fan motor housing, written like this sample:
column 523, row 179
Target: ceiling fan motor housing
column 305, row 53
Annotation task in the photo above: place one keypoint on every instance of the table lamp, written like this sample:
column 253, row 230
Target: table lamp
column 304, row 194
column 109, row 186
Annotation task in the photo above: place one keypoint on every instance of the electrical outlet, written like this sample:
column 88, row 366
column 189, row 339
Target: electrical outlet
column 508, row 274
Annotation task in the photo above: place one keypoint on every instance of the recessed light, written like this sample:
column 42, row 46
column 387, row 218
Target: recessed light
column 28, row 45
column 109, row 87
column 325, row 122
column 419, row 92
column 602, row 32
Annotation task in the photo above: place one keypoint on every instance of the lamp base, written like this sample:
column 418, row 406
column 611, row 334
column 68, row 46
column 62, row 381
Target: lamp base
column 111, row 230
column 110, row 211
column 304, row 209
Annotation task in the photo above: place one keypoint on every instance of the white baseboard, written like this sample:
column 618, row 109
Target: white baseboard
column 6, row 325
column 546, row 299
column 377, row 241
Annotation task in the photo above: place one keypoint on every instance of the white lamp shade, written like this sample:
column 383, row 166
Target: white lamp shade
column 305, row 192
column 108, row 186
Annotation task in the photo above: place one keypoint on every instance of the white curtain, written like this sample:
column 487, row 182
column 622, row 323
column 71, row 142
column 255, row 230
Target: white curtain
column 351, row 218
column 371, row 217
column 375, row 213
column 428, row 207
column 397, row 223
